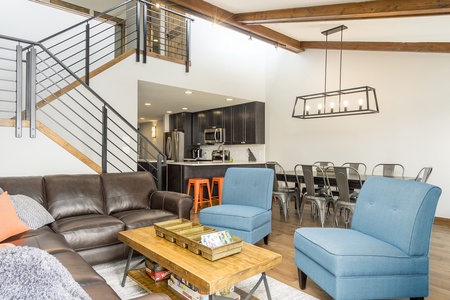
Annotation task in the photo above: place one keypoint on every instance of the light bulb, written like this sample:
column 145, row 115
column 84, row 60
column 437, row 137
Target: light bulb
column 307, row 107
column 345, row 105
column 319, row 108
column 332, row 106
column 360, row 101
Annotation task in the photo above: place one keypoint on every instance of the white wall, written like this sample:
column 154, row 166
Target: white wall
column 411, row 128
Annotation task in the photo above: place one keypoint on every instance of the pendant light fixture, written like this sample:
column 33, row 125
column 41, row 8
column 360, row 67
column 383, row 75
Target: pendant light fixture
column 342, row 102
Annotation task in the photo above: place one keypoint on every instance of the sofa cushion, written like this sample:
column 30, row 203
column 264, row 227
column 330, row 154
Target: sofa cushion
column 144, row 217
column 89, row 231
column 32, row 186
column 81, row 271
column 73, row 195
column 127, row 191
column 33, row 214
column 11, row 224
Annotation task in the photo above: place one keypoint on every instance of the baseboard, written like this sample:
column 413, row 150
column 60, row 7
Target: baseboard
column 442, row 221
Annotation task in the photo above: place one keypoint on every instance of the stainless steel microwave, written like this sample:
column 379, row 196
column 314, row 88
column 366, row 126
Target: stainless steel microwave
column 214, row 135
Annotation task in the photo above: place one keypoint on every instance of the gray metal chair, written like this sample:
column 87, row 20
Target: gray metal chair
column 346, row 200
column 324, row 164
column 320, row 199
column 424, row 174
column 389, row 170
column 361, row 167
column 282, row 191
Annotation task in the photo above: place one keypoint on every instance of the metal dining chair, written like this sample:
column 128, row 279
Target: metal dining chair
column 355, row 165
column 324, row 164
column 320, row 199
column 346, row 200
column 281, row 189
column 424, row 174
column 389, row 170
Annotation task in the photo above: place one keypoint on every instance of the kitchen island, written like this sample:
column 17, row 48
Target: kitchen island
column 180, row 172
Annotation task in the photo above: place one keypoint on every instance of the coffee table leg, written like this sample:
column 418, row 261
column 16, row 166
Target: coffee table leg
column 249, row 295
column 127, row 267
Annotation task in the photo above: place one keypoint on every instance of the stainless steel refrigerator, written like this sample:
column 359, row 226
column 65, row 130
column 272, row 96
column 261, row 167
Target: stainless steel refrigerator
column 174, row 145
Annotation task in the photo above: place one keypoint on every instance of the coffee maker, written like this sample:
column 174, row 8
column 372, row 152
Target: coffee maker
column 197, row 153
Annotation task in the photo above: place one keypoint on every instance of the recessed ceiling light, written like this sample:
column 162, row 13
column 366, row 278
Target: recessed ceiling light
column 148, row 104
column 184, row 108
column 229, row 99
column 188, row 92
column 142, row 118
column 169, row 111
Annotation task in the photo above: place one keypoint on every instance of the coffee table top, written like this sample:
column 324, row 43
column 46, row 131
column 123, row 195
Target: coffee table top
column 208, row 276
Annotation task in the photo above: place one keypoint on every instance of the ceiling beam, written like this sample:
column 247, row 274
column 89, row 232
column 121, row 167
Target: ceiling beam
column 348, row 11
column 382, row 46
column 225, row 18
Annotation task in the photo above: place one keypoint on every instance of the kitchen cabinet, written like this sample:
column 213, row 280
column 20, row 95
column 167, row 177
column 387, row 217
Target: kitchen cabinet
column 248, row 123
column 181, row 122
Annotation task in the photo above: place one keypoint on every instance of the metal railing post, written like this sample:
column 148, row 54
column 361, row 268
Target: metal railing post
column 18, row 91
column 144, row 33
column 138, row 30
column 104, row 139
column 188, row 37
column 159, row 172
column 86, row 60
column 30, row 96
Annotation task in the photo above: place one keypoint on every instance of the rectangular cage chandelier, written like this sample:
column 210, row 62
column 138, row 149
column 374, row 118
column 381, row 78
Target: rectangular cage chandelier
column 342, row 102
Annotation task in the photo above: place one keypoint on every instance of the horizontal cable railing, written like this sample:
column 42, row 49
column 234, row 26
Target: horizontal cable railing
column 80, row 117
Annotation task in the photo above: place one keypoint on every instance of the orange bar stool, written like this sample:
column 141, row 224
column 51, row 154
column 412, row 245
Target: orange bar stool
column 199, row 184
column 219, row 182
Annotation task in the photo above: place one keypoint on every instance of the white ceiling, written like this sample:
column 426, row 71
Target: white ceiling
column 406, row 29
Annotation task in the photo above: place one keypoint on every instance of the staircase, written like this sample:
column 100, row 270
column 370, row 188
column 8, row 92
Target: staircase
column 45, row 85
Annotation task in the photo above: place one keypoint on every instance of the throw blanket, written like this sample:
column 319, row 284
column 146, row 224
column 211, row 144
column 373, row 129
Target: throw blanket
column 31, row 273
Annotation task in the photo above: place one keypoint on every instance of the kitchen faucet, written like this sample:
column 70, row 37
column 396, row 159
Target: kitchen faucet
column 223, row 152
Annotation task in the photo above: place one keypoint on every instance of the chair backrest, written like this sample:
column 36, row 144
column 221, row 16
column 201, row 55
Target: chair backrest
column 424, row 174
column 389, row 170
column 309, row 172
column 248, row 186
column 341, row 177
column 278, row 171
column 324, row 164
column 360, row 167
column 399, row 212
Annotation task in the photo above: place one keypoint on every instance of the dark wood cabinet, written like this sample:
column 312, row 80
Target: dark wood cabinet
column 248, row 123
column 243, row 124
column 180, row 121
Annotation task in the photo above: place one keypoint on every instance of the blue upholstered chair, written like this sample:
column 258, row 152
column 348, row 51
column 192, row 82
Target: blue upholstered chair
column 246, row 209
column 385, row 253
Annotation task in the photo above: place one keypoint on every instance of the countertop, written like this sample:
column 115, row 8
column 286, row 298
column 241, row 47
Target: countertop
column 213, row 163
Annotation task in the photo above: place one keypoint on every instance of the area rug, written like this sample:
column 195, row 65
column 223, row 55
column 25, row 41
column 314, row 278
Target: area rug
column 113, row 272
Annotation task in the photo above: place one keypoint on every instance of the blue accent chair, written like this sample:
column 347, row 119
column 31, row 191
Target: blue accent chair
column 385, row 253
column 246, row 209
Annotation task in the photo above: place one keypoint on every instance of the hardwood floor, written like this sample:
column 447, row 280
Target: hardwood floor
column 281, row 241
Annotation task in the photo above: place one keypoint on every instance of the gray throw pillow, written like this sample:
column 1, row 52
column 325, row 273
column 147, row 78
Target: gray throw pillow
column 1, row 191
column 30, row 211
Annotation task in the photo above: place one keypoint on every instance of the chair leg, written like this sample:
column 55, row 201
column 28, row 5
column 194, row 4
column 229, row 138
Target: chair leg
column 266, row 240
column 302, row 279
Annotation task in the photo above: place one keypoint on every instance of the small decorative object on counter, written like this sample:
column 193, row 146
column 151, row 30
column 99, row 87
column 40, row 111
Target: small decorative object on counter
column 251, row 157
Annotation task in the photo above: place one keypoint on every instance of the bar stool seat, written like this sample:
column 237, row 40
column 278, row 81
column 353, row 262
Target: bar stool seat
column 199, row 184
column 219, row 182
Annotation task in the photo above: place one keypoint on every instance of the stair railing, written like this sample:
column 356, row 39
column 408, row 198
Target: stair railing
column 82, row 118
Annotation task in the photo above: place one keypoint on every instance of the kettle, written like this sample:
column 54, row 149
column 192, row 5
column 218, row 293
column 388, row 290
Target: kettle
column 197, row 153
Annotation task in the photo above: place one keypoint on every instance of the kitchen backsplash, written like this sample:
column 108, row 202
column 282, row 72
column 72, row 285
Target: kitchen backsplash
column 237, row 152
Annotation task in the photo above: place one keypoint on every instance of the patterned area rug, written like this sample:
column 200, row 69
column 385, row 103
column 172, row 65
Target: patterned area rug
column 113, row 272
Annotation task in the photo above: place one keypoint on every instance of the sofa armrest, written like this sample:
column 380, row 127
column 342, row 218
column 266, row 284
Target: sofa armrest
column 177, row 203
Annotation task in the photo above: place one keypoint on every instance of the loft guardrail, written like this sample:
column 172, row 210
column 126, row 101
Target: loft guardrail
column 80, row 116
column 141, row 25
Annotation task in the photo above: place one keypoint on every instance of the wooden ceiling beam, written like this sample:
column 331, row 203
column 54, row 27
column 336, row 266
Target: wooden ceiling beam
column 382, row 46
column 348, row 11
column 225, row 18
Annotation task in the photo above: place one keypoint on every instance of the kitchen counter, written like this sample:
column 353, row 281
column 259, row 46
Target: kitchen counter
column 214, row 163
column 180, row 172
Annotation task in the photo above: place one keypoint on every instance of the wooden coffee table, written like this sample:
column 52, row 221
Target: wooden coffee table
column 208, row 276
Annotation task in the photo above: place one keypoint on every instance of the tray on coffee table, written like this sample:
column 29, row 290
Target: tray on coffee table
column 188, row 234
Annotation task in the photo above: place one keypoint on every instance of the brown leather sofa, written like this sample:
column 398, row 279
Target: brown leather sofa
column 89, row 211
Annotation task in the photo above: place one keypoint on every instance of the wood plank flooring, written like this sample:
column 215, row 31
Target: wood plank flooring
column 281, row 241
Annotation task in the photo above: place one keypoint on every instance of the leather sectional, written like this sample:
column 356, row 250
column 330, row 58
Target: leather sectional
column 89, row 211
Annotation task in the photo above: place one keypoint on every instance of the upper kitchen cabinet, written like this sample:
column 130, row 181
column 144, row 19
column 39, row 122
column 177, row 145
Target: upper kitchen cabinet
column 248, row 123
column 180, row 121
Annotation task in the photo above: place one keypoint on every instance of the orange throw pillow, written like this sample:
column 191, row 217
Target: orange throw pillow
column 11, row 224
